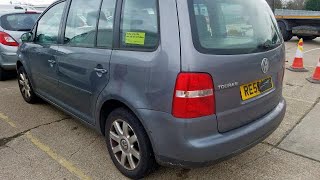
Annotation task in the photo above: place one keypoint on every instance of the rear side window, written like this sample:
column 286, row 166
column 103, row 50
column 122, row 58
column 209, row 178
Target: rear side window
column 139, row 24
column 233, row 26
column 81, row 23
column 18, row 22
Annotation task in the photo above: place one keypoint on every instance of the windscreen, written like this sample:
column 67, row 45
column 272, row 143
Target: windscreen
column 18, row 22
column 233, row 26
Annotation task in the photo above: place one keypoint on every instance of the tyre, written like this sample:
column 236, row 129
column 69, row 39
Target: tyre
column 307, row 38
column 287, row 35
column 128, row 144
column 2, row 74
column 25, row 87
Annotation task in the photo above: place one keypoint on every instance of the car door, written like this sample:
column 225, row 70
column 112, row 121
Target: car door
column 84, row 57
column 42, row 52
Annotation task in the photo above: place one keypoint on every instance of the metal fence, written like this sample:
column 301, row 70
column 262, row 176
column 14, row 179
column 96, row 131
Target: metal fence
column 309, row 5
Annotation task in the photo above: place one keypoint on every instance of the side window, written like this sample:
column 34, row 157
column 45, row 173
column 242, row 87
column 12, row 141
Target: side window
column 81, row 23
column 105, row 27
column 139, row 24
column 48, row 25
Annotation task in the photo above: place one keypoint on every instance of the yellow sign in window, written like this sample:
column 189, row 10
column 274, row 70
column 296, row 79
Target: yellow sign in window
column 136, row 38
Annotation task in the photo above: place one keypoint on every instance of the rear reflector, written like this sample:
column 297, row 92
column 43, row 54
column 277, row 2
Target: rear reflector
column 7, row 40
column 193, row 96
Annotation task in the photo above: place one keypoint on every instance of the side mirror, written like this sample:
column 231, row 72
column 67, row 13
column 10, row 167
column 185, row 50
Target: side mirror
column 26, row 37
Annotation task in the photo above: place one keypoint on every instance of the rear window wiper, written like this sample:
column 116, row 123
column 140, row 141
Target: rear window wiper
column 267, row 45
column 23, row 30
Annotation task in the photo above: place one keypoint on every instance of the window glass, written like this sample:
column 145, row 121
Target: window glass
column 234, row 26
column 18, row 22
column 81, row 23
column 105, row 27
column 139, row 24
column 48, row 25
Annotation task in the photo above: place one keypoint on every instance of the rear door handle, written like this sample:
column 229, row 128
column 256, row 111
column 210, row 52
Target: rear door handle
column 51, row 61
column 102, row 71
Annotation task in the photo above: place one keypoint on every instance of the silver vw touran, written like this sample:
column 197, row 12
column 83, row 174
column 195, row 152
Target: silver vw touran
column 173, row 82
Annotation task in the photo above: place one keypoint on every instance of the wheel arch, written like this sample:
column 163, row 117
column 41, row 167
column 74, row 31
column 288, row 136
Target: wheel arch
column 18, row 64
column 110, row 105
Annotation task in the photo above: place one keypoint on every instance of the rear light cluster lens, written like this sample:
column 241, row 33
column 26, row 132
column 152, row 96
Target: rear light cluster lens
column 7, row 40
column 193, row 96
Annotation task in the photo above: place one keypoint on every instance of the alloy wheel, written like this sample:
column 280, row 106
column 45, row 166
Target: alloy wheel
column 124, row 144
column 24, row 85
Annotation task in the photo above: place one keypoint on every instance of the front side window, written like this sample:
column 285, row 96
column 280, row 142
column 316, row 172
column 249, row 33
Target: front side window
column 233, row 27
column 48, row 25
column 139, row 24
column 81, row 23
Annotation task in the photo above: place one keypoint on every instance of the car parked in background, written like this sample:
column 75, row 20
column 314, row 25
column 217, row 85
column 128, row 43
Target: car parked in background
column 10, row 7
column 12, row 25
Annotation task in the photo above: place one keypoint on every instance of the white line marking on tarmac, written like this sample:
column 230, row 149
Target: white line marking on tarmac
column 7, row 120
column 61, row 160
column 311, row 50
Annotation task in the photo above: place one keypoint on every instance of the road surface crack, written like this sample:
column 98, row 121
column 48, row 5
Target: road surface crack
column 29, row 159
column 5, row 141
column 290, row 152
column 85, row 148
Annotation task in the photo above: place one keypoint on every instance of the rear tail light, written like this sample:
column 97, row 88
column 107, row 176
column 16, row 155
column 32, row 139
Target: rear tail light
column 7, row 40
column 193, row 96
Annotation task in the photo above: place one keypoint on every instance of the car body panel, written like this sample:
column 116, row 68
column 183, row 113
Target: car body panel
column 44, row 69
column 144, row 82
column 79, row 82
column 239, row 69
column 8, row 57
column 8, row 54
column 146, row 79
column 196, row 143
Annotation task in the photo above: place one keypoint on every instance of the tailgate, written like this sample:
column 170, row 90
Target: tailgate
column 229, row 73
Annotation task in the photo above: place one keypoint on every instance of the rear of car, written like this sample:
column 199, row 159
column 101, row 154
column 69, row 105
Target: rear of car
column 12, row 26
column 186, row 83
column 228, row 96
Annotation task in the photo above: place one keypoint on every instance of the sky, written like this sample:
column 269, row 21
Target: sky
column 34, row 2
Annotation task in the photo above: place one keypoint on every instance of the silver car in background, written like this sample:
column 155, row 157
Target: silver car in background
column 13, row 23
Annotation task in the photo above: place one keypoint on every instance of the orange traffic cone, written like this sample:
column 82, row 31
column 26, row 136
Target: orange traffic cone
column 316, row 76
column 297, row 65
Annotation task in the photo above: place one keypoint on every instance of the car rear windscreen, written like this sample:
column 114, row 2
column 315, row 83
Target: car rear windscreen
column 233, row 26
column 18, row 22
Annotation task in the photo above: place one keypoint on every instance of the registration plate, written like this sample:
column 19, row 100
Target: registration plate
column 255, row 88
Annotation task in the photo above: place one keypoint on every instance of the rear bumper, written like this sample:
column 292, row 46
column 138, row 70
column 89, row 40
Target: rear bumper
column 196, row 142
column 8, row 60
